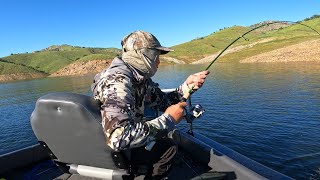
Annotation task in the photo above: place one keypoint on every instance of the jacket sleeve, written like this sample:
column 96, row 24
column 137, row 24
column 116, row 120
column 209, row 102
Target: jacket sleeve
column 160, row 100
column 116, row 92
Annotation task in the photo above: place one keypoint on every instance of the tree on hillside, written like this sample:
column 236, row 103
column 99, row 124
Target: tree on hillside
column 312, row 17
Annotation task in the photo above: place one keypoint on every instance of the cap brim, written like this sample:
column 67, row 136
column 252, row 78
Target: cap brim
column 164, row 50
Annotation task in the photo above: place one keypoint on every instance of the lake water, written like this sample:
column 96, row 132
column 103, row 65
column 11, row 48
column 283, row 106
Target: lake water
column 268, row 112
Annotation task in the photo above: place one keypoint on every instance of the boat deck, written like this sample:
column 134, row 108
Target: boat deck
column 198, row 158
column 183, row 168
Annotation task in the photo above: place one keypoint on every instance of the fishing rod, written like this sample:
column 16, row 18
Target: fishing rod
column 196, row 112
column 186, row 95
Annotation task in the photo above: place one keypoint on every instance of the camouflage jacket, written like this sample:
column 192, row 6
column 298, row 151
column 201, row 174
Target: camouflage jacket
column 124, row 94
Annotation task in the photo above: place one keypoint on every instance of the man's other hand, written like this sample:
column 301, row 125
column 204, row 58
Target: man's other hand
column 176, row 111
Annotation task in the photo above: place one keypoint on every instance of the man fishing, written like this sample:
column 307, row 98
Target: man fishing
column 125, row 88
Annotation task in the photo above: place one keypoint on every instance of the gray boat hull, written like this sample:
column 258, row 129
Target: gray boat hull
column 68, row 128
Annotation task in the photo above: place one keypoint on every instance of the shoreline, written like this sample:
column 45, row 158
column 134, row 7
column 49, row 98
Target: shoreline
column 5, row 78
column 308, row 52
column 21, row 76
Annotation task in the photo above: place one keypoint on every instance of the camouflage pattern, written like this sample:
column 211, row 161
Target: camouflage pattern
column 124, row 94
column 141, row 39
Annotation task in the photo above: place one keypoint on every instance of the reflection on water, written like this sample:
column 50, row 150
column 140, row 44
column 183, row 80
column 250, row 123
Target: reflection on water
column 17, row 101
column 268, row 112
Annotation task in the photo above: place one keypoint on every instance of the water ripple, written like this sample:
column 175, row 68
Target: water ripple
column 268, row 112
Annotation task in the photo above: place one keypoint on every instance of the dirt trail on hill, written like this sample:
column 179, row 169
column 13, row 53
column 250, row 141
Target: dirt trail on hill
column 230, row 50
column 82, row 68
column 305, row 51
column 74, row 69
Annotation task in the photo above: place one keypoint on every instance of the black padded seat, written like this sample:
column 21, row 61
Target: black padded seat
column 70, row 125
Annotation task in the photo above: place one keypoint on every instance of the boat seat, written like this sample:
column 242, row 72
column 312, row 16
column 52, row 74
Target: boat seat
column 69, row 125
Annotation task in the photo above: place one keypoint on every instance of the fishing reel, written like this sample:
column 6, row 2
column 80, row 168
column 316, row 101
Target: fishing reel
column 197, row 111
column 192, row 113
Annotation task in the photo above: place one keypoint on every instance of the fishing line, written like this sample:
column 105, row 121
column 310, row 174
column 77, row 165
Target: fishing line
column 301, row 157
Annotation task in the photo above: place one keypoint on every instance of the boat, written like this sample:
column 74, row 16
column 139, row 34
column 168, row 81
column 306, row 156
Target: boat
column 72, row 146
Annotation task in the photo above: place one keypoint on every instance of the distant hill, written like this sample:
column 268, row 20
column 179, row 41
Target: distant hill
column 49, row 60
column 270, row 27
column 204, row 46
column 263, row 40
column 60, row 60
column 53, row 58
column 10, row 71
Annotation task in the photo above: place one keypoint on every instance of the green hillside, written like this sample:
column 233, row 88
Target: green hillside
column 96, row 57
column 280, row 38
column 54, row 58
column 204, row 46
column 215, row 42
column 9, row 68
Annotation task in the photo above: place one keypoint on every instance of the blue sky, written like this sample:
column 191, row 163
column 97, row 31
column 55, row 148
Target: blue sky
column 29, row 25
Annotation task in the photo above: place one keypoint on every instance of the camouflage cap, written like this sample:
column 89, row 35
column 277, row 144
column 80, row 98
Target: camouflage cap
column 141, row 39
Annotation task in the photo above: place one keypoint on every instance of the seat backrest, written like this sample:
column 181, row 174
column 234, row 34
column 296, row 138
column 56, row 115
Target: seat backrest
column 70, row 126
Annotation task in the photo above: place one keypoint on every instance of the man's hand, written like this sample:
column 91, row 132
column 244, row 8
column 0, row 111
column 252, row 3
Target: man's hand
column 176, row 111
column 195, row 81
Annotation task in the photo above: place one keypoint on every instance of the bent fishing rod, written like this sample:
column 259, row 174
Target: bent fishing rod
column 198, row 110
column 186, row 95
